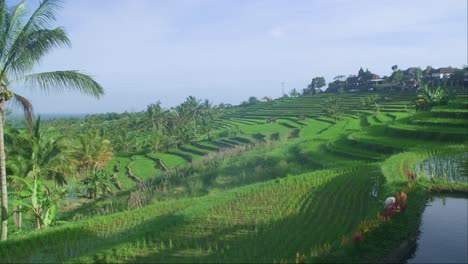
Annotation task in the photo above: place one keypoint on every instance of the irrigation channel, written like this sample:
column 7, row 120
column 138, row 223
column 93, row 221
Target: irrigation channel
column 443, row 234
column 451, row 168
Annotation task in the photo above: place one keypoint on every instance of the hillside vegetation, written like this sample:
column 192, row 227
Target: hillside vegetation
column 272, row 181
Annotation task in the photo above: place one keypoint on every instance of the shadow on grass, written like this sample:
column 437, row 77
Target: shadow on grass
column 101, row 206
column 324, row 217
column 73, row 242
column 196, row 234
column 186, row 157
column 192, row 151
column 287, row 125
column 49, row 246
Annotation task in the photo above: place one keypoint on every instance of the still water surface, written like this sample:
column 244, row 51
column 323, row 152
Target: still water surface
column 444, row 232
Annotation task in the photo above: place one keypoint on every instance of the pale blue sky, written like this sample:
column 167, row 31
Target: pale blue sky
column 142, row 51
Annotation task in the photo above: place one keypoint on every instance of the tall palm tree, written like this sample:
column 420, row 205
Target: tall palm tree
column 17, row 167
column 93, row 153
column 17, row 164
column 192, row 106
column 208, row 114
column 49, row 156
column 45, row 158
column 24, row 40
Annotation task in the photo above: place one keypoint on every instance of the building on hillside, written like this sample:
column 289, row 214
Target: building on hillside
column 442, row 72
column 375, row 76
column 427, row 72
column 353, row 81
column 412, row 71
column 410, row 84
column 376, row 81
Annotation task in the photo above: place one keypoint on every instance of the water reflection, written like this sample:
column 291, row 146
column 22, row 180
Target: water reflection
column 444, row 232
column 452, row 168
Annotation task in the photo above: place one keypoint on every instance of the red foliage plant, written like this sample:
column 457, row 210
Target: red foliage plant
column 411, row 175
column 357, row 237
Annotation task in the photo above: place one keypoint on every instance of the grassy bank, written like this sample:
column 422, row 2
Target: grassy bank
column 266, row 193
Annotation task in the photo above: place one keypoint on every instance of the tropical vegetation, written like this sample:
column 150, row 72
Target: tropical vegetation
column 301, row 178
column 247, row 185
column 24, row 40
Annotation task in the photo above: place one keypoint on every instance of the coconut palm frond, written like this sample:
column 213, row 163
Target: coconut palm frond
column 11, row 132
column 3, row 8
column 52, row 153
column 35, row 46
column 17, row 36
column 27, row 108
column 44, row 15
column 65, row 81
column 12, row 26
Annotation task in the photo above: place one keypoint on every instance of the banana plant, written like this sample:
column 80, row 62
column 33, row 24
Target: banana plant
column 97, row 184
column 428, row 98
column 376, row 109
column 42, row 201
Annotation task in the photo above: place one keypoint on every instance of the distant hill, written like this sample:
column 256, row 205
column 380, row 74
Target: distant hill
column 49, row 116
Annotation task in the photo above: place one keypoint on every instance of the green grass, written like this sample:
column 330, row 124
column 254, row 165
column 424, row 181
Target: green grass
column 144, row 168
column 313, row 127
column 428, row 132
column 171, row 161
column 268, row 202
column 124, row 161
column 263, row 128
column 184, row 230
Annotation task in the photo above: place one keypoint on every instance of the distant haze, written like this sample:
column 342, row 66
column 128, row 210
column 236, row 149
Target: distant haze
column 142, row 51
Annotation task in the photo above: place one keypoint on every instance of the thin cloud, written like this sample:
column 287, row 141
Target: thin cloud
column 144, row 50
column 277, row 32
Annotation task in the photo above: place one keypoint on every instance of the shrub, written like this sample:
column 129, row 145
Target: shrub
column 427, row 97
column 294, row 133
column 275, row 136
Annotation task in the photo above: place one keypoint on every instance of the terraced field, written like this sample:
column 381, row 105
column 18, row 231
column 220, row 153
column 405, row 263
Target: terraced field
column 250, row 125
column 243, row 222
column 301, row 186
column 311, row 106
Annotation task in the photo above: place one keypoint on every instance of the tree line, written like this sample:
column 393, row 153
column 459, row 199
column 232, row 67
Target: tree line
column 157, row 129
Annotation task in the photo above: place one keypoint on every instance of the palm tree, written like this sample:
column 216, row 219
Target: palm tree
column 208, row 116
column 45, row 157
column 193, row 107
column 17, row 167
column 17, row 164
column 24, row 40
column 155, row 114
column 158, row 120
column 49, row 156
column 93, row 153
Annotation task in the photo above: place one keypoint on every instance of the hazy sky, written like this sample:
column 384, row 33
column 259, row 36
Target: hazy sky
column 142, row 51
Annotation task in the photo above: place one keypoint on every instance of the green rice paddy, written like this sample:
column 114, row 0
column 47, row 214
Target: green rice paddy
column 252, row 197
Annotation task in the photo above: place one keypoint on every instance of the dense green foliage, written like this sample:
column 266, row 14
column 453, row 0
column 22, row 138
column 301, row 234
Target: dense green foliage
column 26, row 36
column 253, row 190
column 430, row 97
column 298, row 178
column 156, row 129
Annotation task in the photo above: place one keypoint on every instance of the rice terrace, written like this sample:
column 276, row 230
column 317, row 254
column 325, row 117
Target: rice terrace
column 361, row 169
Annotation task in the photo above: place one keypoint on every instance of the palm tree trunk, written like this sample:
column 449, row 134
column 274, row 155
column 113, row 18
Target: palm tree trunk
column 15, row 216
column 38, row 223
column 20, row 218
column 3, row 183
column 195, row 126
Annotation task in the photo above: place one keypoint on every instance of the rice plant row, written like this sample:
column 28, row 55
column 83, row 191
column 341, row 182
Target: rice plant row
column 234, row 225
